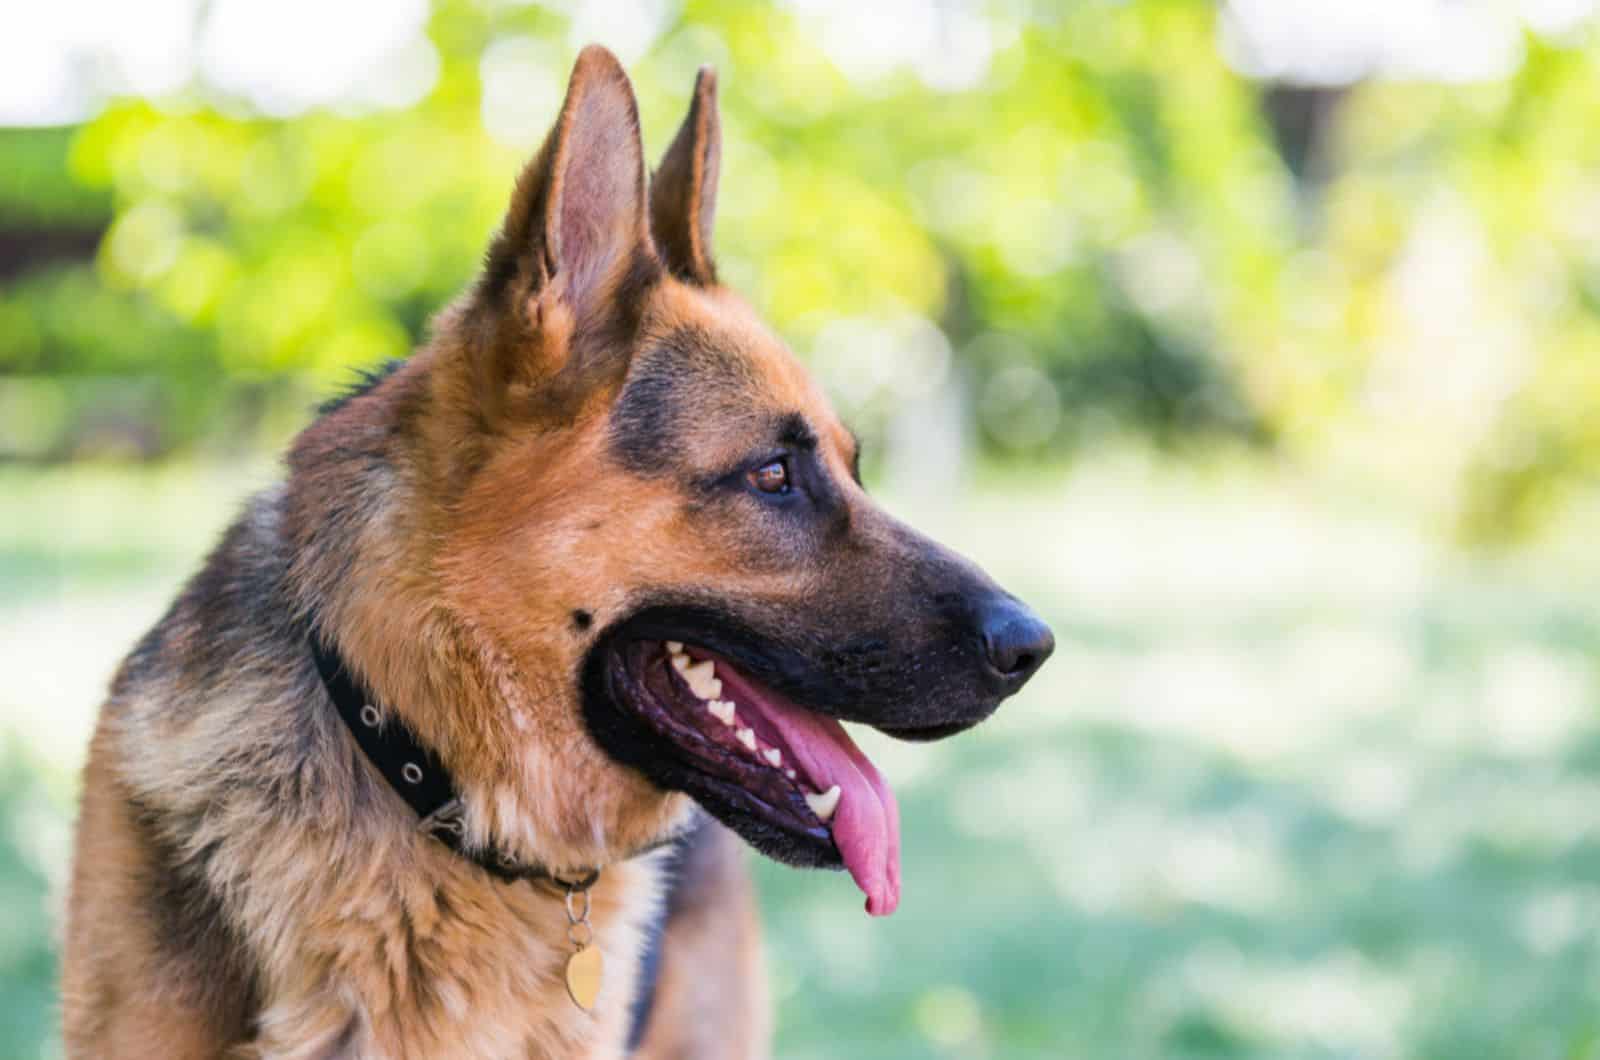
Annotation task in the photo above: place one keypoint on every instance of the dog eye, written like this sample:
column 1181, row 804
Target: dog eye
column 771, row 477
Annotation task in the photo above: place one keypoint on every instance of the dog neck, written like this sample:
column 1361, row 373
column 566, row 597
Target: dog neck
column 416, row 774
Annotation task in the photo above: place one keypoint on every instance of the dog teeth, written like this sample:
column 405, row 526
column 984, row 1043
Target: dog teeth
column 722, row 710
column 773, row 756
column 790, row 774
column 825, row 804
column 748, row 738
column 701, row 678
column 680, row 662
column 674, row 647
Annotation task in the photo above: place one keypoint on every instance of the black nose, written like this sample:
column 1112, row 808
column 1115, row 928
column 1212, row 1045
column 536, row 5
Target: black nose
column 1016, row 642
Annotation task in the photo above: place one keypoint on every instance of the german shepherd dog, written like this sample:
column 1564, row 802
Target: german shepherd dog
column 444, row 751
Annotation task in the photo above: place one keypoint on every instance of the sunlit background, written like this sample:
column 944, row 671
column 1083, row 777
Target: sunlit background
column 1255, row 342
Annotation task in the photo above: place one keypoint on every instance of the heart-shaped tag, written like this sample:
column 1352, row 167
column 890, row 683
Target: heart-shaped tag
column 584, row 970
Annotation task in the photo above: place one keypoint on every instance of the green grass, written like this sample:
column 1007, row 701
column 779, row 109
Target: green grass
column 1298, row 784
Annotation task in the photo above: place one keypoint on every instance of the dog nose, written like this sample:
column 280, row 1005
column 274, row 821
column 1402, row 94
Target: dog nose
column 1016, row 642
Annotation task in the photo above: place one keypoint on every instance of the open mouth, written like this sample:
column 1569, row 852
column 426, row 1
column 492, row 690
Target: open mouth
column 788, row 779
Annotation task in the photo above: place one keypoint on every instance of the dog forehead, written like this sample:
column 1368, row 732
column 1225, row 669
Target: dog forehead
column 709, row 383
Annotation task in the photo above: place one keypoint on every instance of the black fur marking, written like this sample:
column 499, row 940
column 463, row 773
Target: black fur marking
column 793, row 430
column 644, row 991
column 366, row 380
column 193, row 927
column 582, row 619
column 146, row 658
column 235, row 600
column 687, row 365
column 643, row 422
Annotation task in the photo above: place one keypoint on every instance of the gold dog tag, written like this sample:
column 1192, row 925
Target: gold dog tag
column 584, row 970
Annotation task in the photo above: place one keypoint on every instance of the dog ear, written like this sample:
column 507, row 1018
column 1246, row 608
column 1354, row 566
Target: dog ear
column 578, row 226
column 683, row 192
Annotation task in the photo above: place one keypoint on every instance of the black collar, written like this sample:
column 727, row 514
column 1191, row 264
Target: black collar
column 417, row 775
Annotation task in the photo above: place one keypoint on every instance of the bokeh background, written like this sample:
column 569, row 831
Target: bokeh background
column 1255, row 342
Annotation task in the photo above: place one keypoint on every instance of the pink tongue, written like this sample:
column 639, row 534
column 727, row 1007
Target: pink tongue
column 866, row 826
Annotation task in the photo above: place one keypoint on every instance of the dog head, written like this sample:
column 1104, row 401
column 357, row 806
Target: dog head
column 654, row 518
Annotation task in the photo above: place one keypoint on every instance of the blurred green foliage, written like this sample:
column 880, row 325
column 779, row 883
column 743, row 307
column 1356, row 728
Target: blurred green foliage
column 1109, row 231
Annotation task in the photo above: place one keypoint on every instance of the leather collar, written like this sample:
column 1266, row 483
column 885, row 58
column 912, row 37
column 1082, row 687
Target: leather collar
column 417, row 776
